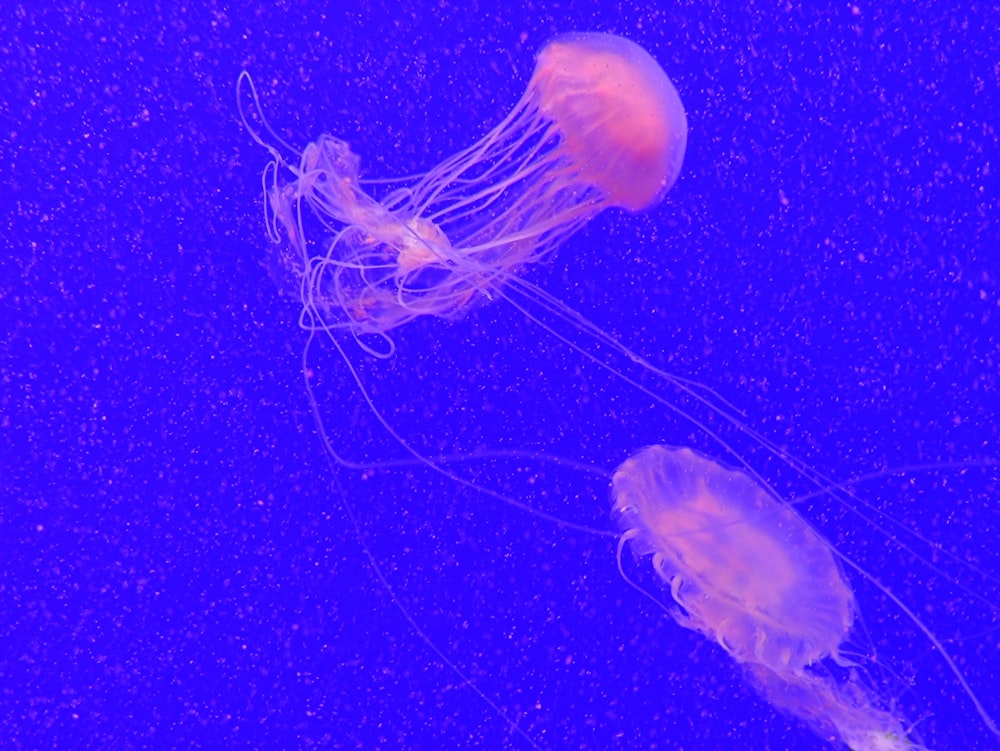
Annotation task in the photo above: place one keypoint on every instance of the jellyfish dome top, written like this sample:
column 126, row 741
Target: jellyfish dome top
column 619, row 117
column 600, row 125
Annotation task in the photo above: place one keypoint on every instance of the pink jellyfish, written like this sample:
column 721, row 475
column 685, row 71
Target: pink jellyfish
column 600, row 125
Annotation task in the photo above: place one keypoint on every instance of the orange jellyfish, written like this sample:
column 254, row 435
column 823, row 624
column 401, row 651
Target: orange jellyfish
column 748, row 572
column 599, row 125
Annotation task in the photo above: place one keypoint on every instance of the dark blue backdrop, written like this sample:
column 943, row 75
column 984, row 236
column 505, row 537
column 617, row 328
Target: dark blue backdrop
column 177, row 567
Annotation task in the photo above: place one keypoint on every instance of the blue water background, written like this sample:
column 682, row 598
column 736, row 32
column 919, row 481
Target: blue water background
column 177, row 567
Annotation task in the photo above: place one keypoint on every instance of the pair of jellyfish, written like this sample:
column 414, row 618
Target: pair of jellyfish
column 600, row 125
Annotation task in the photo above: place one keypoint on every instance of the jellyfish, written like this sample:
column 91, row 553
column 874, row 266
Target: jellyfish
column 599, row 126
column 748, row 572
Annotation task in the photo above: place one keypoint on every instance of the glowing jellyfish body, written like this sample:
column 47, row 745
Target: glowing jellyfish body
column 752, row 575
column 599, row 125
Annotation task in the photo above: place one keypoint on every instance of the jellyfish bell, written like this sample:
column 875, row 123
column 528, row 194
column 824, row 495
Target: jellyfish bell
column 619, row 115
column 600, row 125
column 747, row 570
